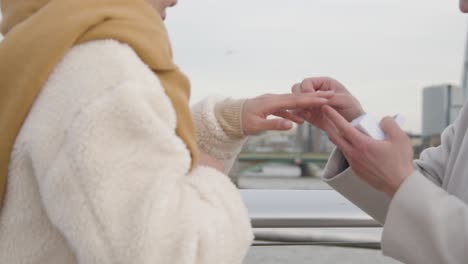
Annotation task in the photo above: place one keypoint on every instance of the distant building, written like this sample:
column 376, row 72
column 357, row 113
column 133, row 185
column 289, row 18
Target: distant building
column 311, row 139
column 272, row 141
column 465, row 73
column 304, row 138
column 417, row 143
column 441, row 105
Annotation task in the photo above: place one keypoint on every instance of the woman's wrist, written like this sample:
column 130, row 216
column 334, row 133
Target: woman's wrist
column 229, row 116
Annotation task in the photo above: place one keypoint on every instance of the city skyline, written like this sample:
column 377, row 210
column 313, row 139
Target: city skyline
column 385, row 52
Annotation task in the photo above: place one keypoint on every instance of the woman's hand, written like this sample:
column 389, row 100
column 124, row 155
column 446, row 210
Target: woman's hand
column 340, row 99
column 383, row 164
column 208, row 161
column 256, row 110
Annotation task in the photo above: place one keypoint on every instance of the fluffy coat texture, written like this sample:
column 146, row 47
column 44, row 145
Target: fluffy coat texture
column 98, row 174
column 38, row 33
column 427, row 219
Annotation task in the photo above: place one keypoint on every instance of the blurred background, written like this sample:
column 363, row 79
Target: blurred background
column 395, row 56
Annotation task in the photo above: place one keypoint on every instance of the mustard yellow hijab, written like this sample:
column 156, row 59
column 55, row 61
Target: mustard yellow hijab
column 38, row 33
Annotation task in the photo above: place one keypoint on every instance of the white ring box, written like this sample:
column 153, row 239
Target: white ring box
column 368, row 125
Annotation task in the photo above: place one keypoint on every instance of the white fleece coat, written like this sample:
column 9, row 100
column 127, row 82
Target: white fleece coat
column 99, row 176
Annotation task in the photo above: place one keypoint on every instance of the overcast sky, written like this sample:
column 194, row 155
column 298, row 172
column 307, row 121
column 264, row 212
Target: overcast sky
column 384, row 51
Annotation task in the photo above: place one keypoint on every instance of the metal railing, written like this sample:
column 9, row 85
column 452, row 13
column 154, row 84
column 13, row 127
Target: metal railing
column 309, row 217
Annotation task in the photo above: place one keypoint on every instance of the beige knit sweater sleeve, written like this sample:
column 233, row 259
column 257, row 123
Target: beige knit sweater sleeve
column 219, row 132
column 228, row 113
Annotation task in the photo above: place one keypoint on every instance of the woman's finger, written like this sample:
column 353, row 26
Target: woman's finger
column 340, row 100
column 290, row 116
column 278, row 124
column 343, row 101
column 276, row 102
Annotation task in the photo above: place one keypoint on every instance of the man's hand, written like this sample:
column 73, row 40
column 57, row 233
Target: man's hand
column 340, row 99
column 256, row 110
column 384, row 164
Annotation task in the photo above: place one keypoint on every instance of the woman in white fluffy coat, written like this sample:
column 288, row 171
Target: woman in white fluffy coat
column 99, row 175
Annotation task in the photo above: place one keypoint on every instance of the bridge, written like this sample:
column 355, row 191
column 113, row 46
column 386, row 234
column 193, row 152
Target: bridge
column 248, row 161
column 296, row 158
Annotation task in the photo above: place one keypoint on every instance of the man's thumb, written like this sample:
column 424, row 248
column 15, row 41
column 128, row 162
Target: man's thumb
column 391, row 129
